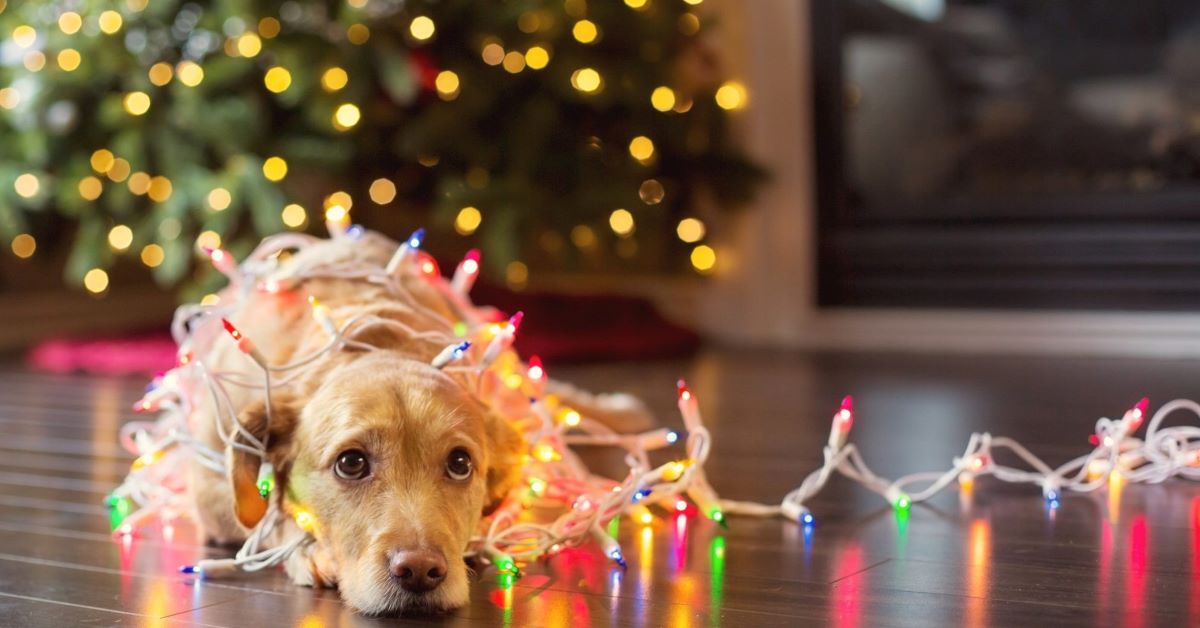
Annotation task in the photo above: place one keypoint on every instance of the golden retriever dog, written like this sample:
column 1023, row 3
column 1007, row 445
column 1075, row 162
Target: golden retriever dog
column 393, row 460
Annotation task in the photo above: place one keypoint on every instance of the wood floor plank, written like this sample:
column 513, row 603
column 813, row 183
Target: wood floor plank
column 31, row 612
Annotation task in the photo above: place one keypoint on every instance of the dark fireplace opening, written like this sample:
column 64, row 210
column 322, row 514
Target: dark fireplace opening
column 1008, row 153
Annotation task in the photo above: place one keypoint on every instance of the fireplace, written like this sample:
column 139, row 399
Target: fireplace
column 1008, row 153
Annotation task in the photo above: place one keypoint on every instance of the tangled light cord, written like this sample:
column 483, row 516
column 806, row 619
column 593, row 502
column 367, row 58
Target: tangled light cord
column 581, row 504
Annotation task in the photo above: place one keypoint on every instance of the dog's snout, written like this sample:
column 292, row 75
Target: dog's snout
column 418, row 570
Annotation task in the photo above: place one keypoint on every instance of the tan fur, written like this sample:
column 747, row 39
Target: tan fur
column 390, row 403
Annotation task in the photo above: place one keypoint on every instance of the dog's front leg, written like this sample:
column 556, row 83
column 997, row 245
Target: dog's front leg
column 312, row 566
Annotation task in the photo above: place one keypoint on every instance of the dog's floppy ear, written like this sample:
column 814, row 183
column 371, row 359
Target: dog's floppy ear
column 507, row 453
column 248, row 504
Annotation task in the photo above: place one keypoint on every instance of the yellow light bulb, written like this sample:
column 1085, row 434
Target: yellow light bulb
column 69, row 59
column 703, row 258
column 70, row 22
column 662, row 98
column 190, row 73
column 277, row 79
column 690, row 230
column 160, row 73
column 120, row 237
column 641, row 148
column 152, row 255
column 24, row 245
column 513, row 62
column 358, row 34
column 337, row 214
column 136, row 103
column 27, row 185
column 339, row 198
column 621, row 222
column 306, row 521
column 160, row 190
column 674, row 471
column 269, row 27
column 275, row 168
column 731, row 95
column 334, row 79
column 382, row 191
column 24, row 36
column 422, row 28
column 209, row 239
column 636, row 4
column 585, row 31
column 586, row 80
column 110, row 22
column 537, row 57
column 219, row 199
column 119, row 170
column 90, row 188
column 545, row 453
column 96, row 281
column 467, row 220
column 249, row 45
column 447, row 85
column 139, row 183
column 294, row 216
column 493, row 53
column 346, row 116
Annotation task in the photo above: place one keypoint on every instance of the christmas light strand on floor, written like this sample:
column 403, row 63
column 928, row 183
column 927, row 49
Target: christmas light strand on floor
column 1163, row 454
column 554, row 478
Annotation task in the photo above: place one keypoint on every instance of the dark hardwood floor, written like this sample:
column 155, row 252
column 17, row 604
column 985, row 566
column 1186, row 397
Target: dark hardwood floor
column 1129, row 556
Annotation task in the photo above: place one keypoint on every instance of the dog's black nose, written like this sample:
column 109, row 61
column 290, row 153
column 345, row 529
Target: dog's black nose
column 418, row 570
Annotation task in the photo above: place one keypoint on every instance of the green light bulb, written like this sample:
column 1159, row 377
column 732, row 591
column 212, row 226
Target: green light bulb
column 119, row 508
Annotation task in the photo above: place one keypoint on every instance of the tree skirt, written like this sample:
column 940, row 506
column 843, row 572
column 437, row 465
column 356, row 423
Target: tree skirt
column 569, row 328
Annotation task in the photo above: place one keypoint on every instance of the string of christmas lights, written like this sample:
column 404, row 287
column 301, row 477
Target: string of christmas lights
column 554, row 477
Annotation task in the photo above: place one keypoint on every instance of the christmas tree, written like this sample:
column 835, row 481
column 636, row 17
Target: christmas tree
column 151, row 127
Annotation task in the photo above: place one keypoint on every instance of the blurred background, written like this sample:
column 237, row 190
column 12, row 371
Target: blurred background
column 641, row 176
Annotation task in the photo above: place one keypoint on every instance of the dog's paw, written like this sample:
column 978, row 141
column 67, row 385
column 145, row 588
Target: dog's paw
column 309, row 567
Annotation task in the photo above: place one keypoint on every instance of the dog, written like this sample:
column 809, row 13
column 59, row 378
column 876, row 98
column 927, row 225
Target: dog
column 394, row 460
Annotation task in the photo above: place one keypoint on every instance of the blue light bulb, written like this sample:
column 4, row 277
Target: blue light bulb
column 414, row 240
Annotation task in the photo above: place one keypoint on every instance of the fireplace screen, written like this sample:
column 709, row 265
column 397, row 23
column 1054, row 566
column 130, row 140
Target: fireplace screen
column 1008, row 153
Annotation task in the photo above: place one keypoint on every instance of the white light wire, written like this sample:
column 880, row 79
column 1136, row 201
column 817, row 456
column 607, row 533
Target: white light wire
column 554, row 474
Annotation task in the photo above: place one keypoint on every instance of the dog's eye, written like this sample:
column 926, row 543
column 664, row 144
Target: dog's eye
column 352, row 465
column 458, row 465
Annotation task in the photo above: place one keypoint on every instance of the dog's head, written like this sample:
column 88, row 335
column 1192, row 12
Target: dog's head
column 396, row 461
